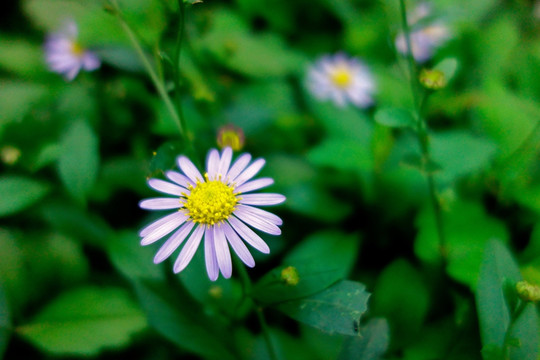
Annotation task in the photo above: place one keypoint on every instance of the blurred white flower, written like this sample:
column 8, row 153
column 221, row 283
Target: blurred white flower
column 64, row 55
column 341, row 79
column 425, row 39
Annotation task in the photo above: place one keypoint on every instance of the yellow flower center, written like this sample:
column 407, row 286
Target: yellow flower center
column 77, row 49
column 341, row 77
column 210, row 202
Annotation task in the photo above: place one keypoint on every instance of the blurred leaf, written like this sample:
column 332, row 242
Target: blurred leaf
column 85, row 321
column 17, row 98
column 467, row 229
column 334, row 310
column 79, row 160
column 342, row 154
column 21, row 57
column 177, row 319
column 131, row 259
column 370, row 344
column 5, row 322
column 13, row 272
column 400, row 280
column 494, row 313
column 394, row 117
column 18, row 193
column 448, row 67
column 121, row 57
column 338, row 251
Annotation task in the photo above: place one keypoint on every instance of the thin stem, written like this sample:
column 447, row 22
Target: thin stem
column 421, row 132
column 246, row 286
column 160, row 87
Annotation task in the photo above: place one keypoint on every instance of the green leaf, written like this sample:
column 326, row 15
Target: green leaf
column 400, row 280
column 78, row 163
column 448, row 67
column 339, row 252
column 467, row 229
column 17, row 98
column 370, row 344
column 179, row 320
column 21, row 57
column 85, row 321
column 342, row 154
column 335, row 310
column 18, row 193
column 394, row 117
column 494, row 313
column 5, row 322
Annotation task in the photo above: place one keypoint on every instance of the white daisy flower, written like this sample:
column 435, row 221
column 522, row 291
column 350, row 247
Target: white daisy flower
column 424, row 39
column 341, row 79
column 64, row 55
column 215, row 207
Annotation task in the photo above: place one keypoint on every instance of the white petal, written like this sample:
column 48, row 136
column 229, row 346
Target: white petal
column 263, row 214
column 151, row 227
column 189, row 169
column 178, row 178
column 212, row 163
column 248, row 235
column 210, row 254
column 225, row 161
column 160, row 203
column 173, row 242
column 238, row 166
column 188, row 250
column 250, row 172
column 262, row 199
column 164, row 229
column 238, row 245
column 222, row 252
column 254, row 185
column 257, row 222
column 166, row 187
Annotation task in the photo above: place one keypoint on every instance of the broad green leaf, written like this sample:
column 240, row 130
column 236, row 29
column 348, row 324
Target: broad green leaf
column 370, row 344
column 342, row 154
column 400, row 286
column 5, row 322
column 79, row 159
column 494, row 313
column 17, row 98
column 338, row 251
column 14, row 275
column 448, row 67
column 19, row 193
column 21, row 57
column 179, row 320
column 84, row 322
column 394, row 117
column 467, row 229
column 335, row 310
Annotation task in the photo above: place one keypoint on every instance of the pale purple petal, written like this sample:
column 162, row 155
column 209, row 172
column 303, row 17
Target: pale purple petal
column 173, row 242
column 212, row 163
column 262, row 199
column 238, row 166
column 210, row 254
column 222, row 252
column 248, row 235
column 189, row 250
column 166, row 187
column 189, row 169
column 164, row 229
column 238, row 245
column 254, row 185
column 153, row 226
column 225, row 161
column 263, row 214
column 250, row 172
column 257, row 222
column 178, row 178
column 160, row 203
column 90, row 61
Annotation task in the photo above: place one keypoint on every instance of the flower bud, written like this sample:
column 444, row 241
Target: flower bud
column 289, row 276
column 232, row 136
column 10, row 155
column 528, row 292
column 432, row 79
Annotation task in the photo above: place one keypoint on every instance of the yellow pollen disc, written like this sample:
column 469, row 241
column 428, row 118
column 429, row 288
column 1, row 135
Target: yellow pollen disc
column 341, row 77
column 77, row 49
column 210, row 202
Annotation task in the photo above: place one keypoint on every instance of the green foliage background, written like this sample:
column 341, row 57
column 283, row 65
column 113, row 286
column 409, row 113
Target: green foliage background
column 358, row 224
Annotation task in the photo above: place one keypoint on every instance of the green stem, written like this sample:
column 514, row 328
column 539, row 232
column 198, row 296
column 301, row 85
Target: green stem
column 160, row 87
column 246, row 286
column 422, row 133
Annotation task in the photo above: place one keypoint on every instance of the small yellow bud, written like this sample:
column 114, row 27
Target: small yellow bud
column 432, row 79
column 230, row 135
column 528, row 292
column 290, row 276
column 10, row 155
column 215, row 291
